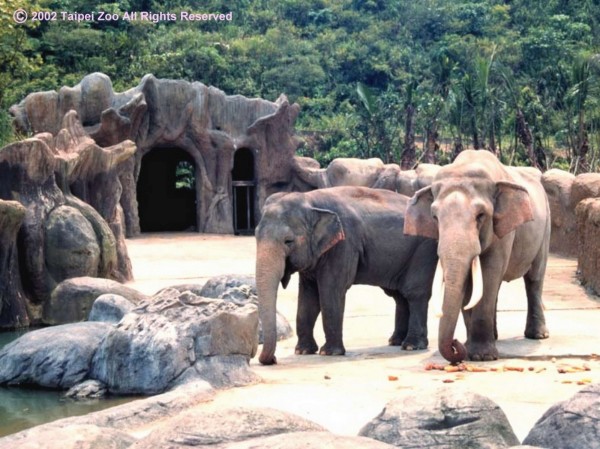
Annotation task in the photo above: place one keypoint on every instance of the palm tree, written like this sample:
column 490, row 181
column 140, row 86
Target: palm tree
column 585, row 80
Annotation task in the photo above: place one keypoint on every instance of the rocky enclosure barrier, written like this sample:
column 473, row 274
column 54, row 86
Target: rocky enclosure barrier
column 447, row 417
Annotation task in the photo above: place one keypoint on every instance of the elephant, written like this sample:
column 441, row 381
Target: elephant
column 492, row 223
column 339, row 172
column 334, row 238
column 361, row 172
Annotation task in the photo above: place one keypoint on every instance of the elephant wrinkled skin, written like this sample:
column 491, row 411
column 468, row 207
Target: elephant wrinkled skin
column 335, row 238
column 495, row 219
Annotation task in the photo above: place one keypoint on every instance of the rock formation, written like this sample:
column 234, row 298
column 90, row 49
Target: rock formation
column 178, row 121
column 62, row 234
column 13, row 304
column 565, row 191
column 571, row 424
column 445, row 417
column 171, row 339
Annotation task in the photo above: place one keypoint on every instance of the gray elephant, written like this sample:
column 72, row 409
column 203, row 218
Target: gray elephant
column 492, row 222
column 335, row 238
column 339, row 172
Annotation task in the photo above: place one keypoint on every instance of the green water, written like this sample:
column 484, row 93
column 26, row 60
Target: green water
column 21, row 408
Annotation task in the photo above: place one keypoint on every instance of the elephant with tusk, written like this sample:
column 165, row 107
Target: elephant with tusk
column 492, row 223
column 334, row 238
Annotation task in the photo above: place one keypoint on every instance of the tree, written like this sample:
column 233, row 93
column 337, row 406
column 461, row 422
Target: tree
column 585, row 84
column 17, row 57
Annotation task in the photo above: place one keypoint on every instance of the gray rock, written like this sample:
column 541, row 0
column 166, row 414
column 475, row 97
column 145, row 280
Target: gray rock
column 54, row 357
column 241, row 289
column 71, row 246
column 525, row 447
column 219, row 286
column 218, row 429
column 89, row 389
column 82, row 436
column 572, row 424
column 446, row 417
column 221, row 371
column 72, row 299
column 110, row 308
column 303, row 440
column 151, row 347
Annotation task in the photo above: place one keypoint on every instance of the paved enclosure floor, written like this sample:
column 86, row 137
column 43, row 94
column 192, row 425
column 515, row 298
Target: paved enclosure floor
column 344, row 393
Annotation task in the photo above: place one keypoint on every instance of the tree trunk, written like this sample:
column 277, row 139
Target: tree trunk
column 409, row 154
column 457, row 147
column 526, row 138
column 431, row 145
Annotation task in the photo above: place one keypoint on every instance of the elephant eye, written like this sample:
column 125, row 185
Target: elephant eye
column 480, row 217
column 288, row 241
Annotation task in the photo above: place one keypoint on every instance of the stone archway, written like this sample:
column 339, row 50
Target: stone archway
column 243, row 179
column 166, row 191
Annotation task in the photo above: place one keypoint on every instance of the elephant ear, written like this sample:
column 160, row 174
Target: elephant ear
column 327, row 231
column 512, row 208
column 418, row 219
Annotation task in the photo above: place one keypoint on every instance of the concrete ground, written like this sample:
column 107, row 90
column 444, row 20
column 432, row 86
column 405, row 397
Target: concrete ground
column 344, row 393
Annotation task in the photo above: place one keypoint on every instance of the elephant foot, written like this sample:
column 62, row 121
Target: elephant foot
column 332, row 350
column 482, row 352
column 396, row 340
column 306, row 348
column 538, row 332
column 414, row 344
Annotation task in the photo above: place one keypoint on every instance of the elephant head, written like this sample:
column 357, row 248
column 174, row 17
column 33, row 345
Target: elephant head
column 468, row 214
column 291, row 236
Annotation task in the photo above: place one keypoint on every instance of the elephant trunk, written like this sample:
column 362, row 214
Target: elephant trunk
column 455, row 282
column 270, row 268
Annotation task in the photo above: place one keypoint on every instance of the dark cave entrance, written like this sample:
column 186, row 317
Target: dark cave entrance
column 244, row 191
column 166, row 191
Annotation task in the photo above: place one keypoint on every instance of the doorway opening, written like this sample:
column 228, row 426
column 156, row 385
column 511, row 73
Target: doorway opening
column 166, row 191
column 244, row 191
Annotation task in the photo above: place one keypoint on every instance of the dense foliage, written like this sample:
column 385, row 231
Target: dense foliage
column 403, row 80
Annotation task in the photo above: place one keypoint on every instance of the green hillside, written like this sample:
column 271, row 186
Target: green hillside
column 402, row 80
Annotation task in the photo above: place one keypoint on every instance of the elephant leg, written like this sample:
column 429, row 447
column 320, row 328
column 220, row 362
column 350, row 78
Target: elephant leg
column 416, row 337
column 416, row 291
column 481, row 333
column 333, row 298
column 535, row 327
column 306, row 317
column 401, row 320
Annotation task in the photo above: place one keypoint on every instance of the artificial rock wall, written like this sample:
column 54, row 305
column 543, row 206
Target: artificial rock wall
column 200, row 120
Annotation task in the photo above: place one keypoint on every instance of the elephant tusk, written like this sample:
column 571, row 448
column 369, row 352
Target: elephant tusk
column 437, row 290
column 477, row 290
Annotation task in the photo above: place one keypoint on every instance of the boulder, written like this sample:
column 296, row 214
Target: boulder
column 446, row 417
column 219, row 429
column 88, row 389
column 82, row 436
column 73, row 299
column 241, row 289
column 572, row 424
column 166, row 341
column 585, row 185
column 302, row 440
column 71, row 246
column 110, row 308
column 53, row 357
